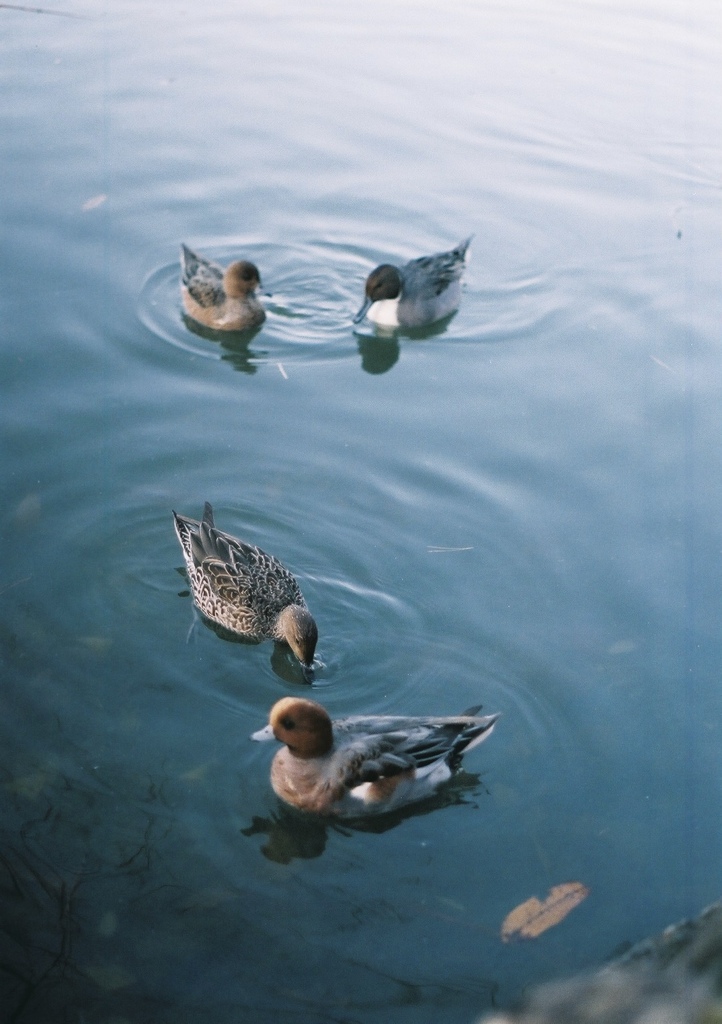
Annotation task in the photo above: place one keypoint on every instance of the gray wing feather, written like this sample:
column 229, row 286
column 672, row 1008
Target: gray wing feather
column 387, row 745
column 202, row 278
column 439, row 271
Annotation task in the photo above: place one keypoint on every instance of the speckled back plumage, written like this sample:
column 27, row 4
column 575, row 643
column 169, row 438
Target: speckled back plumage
column 235, row 584
column 203, row 279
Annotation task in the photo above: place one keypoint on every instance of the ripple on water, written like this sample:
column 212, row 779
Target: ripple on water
column 308, row 291
column 139, row 587
column 311, row 290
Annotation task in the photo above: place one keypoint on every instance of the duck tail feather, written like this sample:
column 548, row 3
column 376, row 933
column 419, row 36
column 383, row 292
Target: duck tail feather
column 208, row 515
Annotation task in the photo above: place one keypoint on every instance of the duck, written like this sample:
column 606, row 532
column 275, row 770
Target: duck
column 223, row 300
column 241, row 588
column 423, row 291
column 364, row 764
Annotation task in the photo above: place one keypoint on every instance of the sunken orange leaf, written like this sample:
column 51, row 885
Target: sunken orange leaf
column 531, row 918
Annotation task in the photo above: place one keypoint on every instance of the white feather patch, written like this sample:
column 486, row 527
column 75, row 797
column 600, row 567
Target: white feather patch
column 385, row 312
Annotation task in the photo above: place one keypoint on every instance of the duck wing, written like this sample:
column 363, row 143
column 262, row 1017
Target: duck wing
column 240, row 572
column 261, row 580
column 370, row 758
column 202, row 278
column 377, row 746
column 234, row 582
column 271, row 584
column 436, row 272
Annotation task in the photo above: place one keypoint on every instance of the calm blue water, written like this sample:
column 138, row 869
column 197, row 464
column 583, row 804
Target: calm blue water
column 521, row 509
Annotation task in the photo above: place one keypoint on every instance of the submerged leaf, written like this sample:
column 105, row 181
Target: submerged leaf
column 531, row 918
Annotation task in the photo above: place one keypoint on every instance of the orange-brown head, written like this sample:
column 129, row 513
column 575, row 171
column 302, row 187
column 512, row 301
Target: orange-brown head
column 240, row 279
column 303, row 725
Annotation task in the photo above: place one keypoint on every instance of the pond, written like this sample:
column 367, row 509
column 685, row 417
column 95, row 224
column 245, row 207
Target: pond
column 517, row 508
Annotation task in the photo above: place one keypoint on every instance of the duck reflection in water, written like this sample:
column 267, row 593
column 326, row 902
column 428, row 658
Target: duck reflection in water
column 381, row 350
column 378, row 354
column 295, row 835
column 283, row 661
column 235, row 345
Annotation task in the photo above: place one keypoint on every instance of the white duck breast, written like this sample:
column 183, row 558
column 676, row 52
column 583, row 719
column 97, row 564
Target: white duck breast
column 385, row 313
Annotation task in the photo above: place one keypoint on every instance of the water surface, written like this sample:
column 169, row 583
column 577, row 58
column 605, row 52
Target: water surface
column 519, row 509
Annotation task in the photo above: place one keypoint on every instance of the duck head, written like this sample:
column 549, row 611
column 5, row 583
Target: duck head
column 303, row 725
column 297, row 627
column 241, row 278
column 382, row 283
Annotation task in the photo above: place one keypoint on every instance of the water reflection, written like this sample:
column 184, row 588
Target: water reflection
column 283, row 662
column 378, row 354
column 293, row 834
column 288, row 668
column 85, row 882
column 380, row 351
column 236, row 345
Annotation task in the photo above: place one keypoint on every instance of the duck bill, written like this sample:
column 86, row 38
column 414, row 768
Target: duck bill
column 263, row 734
column 363, row 311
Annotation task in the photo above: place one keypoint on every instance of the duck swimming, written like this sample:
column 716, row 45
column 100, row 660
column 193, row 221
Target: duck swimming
column 415, row 295
column 221, row 299
column 364, row 764
column 241, row 588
